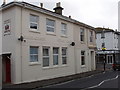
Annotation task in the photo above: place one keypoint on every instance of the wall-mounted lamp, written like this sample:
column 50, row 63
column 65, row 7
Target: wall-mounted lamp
column 21, row 38
column 72, row 44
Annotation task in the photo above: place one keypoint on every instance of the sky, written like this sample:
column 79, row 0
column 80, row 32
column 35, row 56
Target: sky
column 97, row 13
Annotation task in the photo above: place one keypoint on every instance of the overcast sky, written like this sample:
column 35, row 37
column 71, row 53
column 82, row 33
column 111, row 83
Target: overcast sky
column 97, row 13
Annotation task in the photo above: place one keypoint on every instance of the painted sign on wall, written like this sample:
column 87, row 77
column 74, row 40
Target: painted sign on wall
column 7, row 27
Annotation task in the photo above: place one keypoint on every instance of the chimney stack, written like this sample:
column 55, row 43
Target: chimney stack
column 58, row 9
column 41, row 5
column 4, row 2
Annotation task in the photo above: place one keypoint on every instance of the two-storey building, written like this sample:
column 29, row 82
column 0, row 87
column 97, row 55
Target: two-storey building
column 40, row 44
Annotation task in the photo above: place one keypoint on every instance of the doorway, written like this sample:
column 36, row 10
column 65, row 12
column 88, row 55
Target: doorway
column 92, row 60
column 6, row 68
column 109, row 59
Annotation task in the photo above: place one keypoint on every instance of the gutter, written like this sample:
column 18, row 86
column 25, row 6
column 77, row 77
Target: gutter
column 47, row 12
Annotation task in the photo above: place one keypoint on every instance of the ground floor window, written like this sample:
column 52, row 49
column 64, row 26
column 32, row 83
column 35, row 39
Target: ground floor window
column 46, row 56
column 64, row 55
column 55, row 55
column 33, row 54
column 82, row 57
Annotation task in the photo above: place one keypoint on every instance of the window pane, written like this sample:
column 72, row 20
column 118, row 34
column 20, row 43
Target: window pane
column 50, row 29
column 64, row 60
column 33, row 25
column 45, row 51
column 64, row 51
column 33, row 50
column 50, row 22
column 55, row 59
column 82, row 52
column 82, row 34
column 63, row 28
column 64, row 55
column 33, row 54
column 45, row 61
column 33, row 18
column 55, row 50
column 82, row 60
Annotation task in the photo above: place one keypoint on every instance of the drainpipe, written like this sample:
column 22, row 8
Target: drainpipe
column 21, row 40
column 75, row 60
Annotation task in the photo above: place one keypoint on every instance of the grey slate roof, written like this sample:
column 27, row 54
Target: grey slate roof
column 45, row 11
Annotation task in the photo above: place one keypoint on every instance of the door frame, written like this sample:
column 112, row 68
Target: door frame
column 6, row 59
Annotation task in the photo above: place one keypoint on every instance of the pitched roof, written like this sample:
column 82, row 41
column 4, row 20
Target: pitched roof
column 45, row 11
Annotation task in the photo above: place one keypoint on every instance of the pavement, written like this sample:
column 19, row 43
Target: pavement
column 42, row 83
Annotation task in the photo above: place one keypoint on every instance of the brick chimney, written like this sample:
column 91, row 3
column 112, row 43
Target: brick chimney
column 58, row 9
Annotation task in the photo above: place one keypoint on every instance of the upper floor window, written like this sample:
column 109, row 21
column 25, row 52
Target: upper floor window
column 50, row 25
column 103, row 34
column 103, row 45
column 91, row 36
column 81, row 34
column 63, row 28
column 33, row 54
column 34, row 21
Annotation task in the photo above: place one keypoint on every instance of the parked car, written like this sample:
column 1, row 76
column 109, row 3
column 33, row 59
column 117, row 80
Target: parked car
column 116, row 65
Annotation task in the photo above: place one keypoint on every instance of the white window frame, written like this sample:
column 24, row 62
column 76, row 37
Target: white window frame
column 63, row 29
column 45, row 47
column 91, row 36
column 50, row 26
column 108, row 57
column 84, row 58
column 56, row 55
column 34, row 54
column 82, row 35
column 65, row 56
column 37, row 23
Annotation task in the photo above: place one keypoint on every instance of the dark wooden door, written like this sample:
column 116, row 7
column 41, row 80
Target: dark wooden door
column 8, row 71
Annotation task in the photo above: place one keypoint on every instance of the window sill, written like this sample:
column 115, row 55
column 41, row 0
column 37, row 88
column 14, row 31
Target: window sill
column 64, row 36
column 83, row 66
column 50, row 33
column 34, row 63
column 82, row 42
column 34, row 31
column 47, row 67
column 64, row 65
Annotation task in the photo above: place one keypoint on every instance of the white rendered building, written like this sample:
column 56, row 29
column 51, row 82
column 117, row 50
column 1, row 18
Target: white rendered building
column 109, row 39
column 40, row 44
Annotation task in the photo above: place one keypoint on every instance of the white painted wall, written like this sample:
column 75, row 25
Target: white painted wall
column 22, row 69
column 0, row 50
column 119, row 16
column 111, row 41
column 79, row 46
column 8, row 41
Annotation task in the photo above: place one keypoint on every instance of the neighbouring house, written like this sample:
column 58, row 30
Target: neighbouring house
column 119, row 22
column 40, row 44
column 107, row 45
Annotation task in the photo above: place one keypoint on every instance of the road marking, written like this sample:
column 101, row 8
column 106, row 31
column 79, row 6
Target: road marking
column 102, row 82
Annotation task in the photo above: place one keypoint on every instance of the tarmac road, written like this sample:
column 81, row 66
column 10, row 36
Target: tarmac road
column 109, row 79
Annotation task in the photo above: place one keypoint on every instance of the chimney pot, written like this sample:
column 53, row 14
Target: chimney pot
column 69, row 16
column 58, row 4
